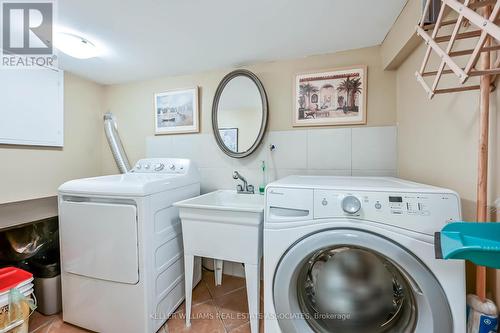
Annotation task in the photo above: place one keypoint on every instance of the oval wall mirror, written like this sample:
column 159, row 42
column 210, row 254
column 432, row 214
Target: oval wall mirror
column 239, row 113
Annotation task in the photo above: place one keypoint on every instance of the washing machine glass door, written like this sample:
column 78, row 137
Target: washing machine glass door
column 99, row 240
column 349, row 280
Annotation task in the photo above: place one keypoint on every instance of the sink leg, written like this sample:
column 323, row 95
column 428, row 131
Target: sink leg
column 218, row 265
column 188, row 280
column 252, row 276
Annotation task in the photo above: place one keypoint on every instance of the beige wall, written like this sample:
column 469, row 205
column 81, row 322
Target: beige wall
column 31, row 172
column 438, row 138
column 133, row 103
column 438, row 141
column 401, row 39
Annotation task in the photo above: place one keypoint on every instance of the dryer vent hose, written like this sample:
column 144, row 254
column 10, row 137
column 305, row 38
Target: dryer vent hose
column 115, row 143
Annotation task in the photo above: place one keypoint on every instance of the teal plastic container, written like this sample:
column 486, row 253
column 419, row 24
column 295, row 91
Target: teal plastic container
column 477, row 242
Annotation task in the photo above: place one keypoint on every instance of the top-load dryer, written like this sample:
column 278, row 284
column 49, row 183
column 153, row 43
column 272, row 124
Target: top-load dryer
column 121, row 246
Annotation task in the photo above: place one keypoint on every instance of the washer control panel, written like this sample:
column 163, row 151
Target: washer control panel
column 416, row 211
column 162, row 165
column 409, row 204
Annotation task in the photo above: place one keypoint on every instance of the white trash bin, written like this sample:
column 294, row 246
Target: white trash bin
column 48, row 295
column 47, row 272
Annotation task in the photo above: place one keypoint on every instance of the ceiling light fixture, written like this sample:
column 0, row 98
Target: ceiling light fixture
column 75, row 46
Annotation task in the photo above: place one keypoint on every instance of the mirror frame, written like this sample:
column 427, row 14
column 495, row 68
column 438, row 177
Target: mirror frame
column 215, row 107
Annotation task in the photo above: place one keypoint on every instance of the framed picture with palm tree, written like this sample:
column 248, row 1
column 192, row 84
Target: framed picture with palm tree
column 330, row 97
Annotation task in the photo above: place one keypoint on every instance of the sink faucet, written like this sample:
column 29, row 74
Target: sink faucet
column 245, row 188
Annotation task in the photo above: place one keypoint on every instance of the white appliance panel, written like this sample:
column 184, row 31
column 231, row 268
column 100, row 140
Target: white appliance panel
column 99, row 240
column 32, row 107
column 420, row 212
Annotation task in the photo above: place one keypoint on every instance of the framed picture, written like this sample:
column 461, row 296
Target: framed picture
column 330, row 97
column 176, row 111
column 230, row 138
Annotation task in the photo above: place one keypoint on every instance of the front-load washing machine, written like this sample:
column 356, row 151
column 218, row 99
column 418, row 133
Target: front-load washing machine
column 356, row 254
column 121, row 246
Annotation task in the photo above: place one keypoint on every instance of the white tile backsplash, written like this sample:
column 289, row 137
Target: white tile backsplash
column 188, row 146
column 210, row 155
column 326, row 172
column 374, row 148
column 275, row 174
column 374, row 173
column 253, row 176
column 360, row 151
column 329, row 149
column 216, row 179
column 159, row 146
column 291, row 150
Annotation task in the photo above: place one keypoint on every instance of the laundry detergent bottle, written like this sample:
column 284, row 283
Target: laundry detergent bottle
column 482, row 317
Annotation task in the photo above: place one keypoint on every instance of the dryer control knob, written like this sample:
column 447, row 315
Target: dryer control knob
column 351, row 204
column 159, row 167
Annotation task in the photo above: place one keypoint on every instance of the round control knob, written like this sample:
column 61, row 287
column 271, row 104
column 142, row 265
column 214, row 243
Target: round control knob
column 171, row 167
column 159, row 167
column 324, row 202
column 146, row 166
column 138, row 167
column 378, row 205
column 351, row 204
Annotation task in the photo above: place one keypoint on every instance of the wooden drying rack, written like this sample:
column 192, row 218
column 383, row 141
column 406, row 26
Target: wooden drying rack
column 484, row 29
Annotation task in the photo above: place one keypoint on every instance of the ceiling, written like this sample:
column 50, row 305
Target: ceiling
column 142, row 39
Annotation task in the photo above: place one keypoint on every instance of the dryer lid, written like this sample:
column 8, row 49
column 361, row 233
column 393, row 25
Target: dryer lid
column 125, row 185
column 147, row 177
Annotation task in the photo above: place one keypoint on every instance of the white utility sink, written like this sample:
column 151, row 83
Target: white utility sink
column 224, row 225
column 225, row 200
